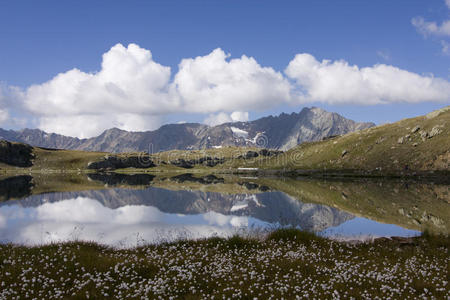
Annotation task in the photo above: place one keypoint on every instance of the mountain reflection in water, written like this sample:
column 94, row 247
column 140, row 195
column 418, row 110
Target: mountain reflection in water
column 128, row 217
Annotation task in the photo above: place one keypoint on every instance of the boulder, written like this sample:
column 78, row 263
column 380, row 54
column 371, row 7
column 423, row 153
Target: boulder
column 264, row 188
column 250, row 185
column 116, row 162
column 266, row 152
column 214, row 162
column 181, row 163
column 19, row 155
column 251, row 154
column 423, row 134
column 434, row 131
column 329, row 137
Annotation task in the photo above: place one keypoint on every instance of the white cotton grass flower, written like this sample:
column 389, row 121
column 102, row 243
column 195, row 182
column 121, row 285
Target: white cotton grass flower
column 304, row 268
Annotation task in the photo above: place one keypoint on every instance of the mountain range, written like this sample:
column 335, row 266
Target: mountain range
column 277, row 132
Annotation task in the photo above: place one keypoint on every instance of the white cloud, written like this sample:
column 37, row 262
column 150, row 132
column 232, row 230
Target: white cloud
column 210, row 83
column 133, row 92
column 431, row 28
column 239, row 116
column 338, row 82
column 128, row 92
column 220, row 118
column 128, row 81
column 217, row 119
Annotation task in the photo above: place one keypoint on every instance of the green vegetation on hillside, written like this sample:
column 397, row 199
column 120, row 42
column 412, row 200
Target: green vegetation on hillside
column 52, row 160
column 410, row 145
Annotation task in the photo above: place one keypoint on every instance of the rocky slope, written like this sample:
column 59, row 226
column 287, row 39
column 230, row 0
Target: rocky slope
column 403, row 147
column 281, row 132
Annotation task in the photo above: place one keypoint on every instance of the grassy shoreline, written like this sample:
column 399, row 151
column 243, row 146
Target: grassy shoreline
column 442, row 176
column 285, row 264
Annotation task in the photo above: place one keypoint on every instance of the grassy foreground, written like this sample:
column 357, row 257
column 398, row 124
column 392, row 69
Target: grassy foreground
column 286, row 264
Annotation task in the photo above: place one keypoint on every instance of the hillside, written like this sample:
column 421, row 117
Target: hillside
column 35, row 159
column 280, row 132
column 410, row 145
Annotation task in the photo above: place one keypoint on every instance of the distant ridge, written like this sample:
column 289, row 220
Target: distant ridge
column 280, row 132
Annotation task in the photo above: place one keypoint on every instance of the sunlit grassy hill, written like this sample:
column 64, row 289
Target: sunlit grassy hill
column 41, row 159
column 416, row 144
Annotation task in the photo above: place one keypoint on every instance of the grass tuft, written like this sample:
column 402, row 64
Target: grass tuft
column 293, row 234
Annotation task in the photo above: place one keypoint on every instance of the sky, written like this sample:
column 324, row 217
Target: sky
column 80, row 67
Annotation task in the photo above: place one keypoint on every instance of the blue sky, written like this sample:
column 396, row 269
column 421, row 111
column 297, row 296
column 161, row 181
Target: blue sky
column 40, row 39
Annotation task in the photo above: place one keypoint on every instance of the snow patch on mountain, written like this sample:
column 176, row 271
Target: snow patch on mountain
column 239, row 132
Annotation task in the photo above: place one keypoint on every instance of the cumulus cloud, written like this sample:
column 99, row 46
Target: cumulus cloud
column 239, row 116
column 211, row 83
column 338, row 82
column 129, row 81
column 220, row 118
column 129, row 92
column 133, row 92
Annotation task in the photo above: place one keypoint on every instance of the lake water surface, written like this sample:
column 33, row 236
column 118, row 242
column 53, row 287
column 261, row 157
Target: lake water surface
column 130, row 210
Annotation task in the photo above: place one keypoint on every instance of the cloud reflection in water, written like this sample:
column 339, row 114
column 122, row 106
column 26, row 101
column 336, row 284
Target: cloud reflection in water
column 87, row 219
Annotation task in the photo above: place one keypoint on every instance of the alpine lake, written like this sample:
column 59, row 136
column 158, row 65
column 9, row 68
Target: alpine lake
column 129, row 210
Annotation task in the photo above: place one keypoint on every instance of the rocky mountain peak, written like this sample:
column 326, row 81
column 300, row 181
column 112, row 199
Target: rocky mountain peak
column 278, row 132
